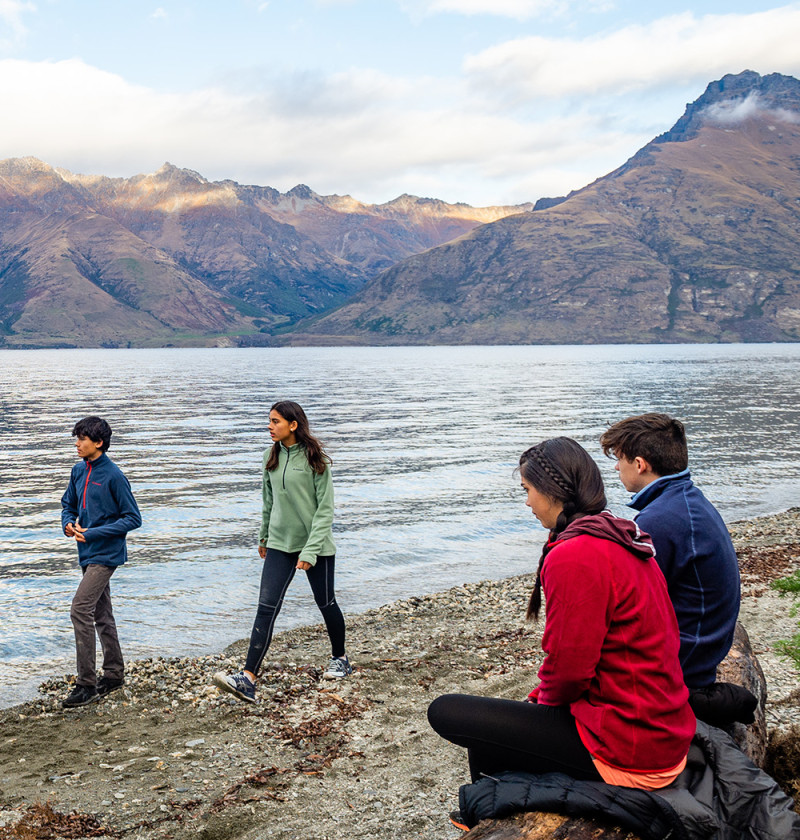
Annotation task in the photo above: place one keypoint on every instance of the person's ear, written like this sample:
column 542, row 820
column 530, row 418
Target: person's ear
column 642, row 466
column 293, row 426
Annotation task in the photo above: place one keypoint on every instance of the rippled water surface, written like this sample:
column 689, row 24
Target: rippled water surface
column 424, row 441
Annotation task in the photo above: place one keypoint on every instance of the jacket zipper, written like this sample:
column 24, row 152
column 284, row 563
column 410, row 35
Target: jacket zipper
column 86, row 485
column 285, row 467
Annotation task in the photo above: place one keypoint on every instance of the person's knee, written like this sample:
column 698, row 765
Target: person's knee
column 328, row 605
column 440, row 712
column 79, row 613
column 267, row 610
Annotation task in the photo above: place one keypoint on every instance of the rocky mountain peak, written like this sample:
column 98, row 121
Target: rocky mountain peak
column 25, row 166
column 735, row 97
column 174, row 176
column 302, row 192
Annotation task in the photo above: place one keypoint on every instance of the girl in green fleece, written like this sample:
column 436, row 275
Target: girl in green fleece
column 295, row 534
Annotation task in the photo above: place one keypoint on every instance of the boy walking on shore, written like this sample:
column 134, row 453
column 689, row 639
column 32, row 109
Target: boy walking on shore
column 97, row 511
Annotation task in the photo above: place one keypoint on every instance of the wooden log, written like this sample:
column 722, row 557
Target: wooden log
column 740, row 666
column 539, row 826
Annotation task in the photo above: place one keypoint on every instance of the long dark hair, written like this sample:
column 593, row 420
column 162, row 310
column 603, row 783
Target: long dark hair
column 562, row 470
column 318, row 460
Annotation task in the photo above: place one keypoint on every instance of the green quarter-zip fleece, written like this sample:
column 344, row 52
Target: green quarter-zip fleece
column 298, row 506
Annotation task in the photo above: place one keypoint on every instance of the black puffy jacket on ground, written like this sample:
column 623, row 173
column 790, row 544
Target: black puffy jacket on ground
column 721, row 795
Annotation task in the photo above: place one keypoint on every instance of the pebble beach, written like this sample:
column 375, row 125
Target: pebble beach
column 167, row 756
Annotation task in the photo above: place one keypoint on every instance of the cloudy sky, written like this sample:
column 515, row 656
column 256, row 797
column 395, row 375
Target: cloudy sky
column 483, row 101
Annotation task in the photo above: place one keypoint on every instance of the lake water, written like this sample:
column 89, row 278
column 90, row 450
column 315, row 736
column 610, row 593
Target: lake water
column 424, row 442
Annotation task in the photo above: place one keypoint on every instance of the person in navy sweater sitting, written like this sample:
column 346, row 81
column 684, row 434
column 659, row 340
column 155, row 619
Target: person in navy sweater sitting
column 693, row 546
column 97, row 511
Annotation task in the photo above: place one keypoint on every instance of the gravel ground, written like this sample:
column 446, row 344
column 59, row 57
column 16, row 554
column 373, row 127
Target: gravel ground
column 169, row 757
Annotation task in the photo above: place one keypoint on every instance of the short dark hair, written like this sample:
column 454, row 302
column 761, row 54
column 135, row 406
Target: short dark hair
column 658, row 438
column 94, row 428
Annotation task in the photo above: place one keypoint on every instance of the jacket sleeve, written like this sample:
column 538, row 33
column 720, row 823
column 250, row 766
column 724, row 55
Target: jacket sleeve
column 266, row 502
column 69, row 502
column 128, row 518
column 578, row 593
column 323, row 518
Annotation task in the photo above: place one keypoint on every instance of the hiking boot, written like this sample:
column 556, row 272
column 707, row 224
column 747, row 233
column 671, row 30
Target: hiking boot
column 338, row 667
column 236, row 684
column 105, row 685
column 458, row 821
column 81, row 695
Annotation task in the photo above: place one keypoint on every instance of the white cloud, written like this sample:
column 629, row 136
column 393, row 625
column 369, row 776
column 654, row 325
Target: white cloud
column 11, row 14
column 159, row 14
column 678, row 48
column 520, row 10
column 736, row 111
column 517, row 9
column 380, row 136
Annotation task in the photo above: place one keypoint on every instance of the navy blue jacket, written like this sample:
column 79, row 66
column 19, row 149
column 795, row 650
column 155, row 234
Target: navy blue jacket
column 695, row 552
column 99, row 497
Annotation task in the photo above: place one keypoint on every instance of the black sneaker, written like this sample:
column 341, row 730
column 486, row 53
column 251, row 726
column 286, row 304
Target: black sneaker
column 338, row 667
column 236, row 684
column 105, row 685
column 81, row 695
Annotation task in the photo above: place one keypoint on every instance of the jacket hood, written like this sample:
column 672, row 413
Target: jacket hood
column 606, row 526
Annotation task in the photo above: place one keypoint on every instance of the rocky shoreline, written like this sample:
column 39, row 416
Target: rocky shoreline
column 169, row 757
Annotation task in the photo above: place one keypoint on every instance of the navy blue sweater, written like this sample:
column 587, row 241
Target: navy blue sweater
column 695, row 552
column 99, row 497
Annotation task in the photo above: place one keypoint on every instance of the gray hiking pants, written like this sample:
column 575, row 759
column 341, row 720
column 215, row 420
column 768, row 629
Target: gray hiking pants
column 91, row 608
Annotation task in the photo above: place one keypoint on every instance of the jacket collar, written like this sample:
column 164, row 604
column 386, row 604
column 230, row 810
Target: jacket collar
column 653, row 490
column 97, row 461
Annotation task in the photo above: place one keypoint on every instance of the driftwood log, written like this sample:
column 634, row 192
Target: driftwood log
column 740, row 667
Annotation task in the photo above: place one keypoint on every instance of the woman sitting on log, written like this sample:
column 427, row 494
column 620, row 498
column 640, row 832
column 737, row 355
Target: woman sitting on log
column 611, row 704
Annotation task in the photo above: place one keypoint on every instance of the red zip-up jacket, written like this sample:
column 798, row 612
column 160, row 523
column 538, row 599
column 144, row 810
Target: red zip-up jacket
column 612, row 643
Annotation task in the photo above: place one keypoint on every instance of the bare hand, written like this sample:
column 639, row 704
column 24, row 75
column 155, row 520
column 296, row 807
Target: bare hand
column 262, row 552
column 78, row 533
column 68, row 530
column 303, row 566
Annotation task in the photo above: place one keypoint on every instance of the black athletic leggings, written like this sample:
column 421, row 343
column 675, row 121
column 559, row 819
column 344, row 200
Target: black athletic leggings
column 277, row 574
column 512, row 735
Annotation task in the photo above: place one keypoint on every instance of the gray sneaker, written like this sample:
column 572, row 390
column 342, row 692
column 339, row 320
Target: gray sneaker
column 236, row 684
column 338, row 667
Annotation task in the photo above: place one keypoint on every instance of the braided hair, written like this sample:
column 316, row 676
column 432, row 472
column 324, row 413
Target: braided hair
column 562, row 470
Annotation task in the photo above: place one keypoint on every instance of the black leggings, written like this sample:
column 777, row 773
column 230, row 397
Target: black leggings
column 512, row 735
column 277, row 574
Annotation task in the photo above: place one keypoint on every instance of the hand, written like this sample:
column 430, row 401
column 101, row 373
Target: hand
column 262, row 552
column 78, row 533
column 303, row 566
column 68, row 530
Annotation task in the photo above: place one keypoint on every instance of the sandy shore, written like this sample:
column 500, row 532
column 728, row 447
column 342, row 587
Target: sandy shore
column 168, row 757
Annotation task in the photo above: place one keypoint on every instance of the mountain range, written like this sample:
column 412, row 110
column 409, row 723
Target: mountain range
column 172, row 258
column 695, row 238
